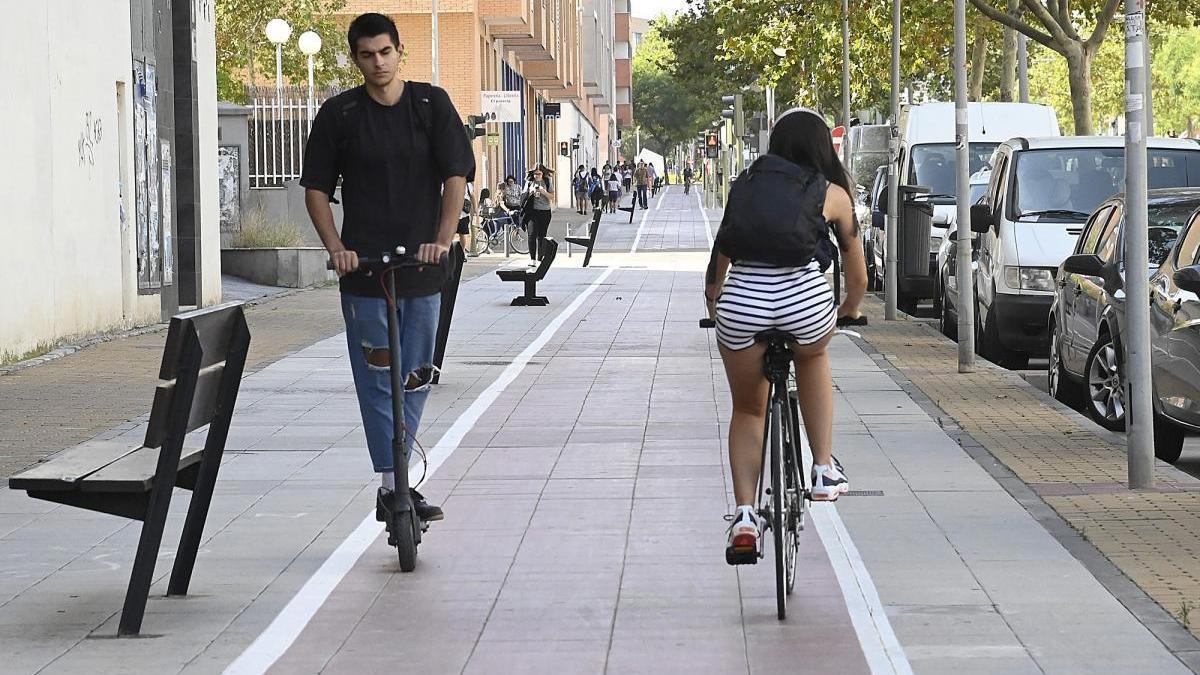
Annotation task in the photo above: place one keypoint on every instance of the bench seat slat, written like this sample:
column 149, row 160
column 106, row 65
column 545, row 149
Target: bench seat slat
column 64, row 470
column 135, row 472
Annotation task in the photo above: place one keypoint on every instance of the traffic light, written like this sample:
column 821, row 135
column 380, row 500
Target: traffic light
column 474, row 126
column 733, row 111
column 712, row 145
column 564, row 149
column 574, row 144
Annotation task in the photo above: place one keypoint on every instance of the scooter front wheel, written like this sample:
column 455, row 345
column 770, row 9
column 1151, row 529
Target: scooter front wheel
column 405, row 533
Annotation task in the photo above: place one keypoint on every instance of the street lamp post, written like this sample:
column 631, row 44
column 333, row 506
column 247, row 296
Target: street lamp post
column 846, row 81
column 310, row 44
column 278, row 32
column 962, row 194
column 893, row 205
column 1139, row 413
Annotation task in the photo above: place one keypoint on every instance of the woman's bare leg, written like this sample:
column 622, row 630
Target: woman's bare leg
column 749, row 386
column 814, row 387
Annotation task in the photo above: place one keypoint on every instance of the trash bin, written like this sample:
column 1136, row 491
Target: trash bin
column 916, row 219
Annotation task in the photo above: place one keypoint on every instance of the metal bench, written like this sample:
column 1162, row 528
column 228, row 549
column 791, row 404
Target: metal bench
column 588, row 242
column 531, row 276
column 201, row 370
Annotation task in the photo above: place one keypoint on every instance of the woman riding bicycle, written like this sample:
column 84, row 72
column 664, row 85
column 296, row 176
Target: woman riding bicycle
column 756, row 297
column 511, row 193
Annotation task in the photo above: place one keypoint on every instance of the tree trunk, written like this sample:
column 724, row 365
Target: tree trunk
column 978, row 66
column 1008, row 66
column 1079, row 76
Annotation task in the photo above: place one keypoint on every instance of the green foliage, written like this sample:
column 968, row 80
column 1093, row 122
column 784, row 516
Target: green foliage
column 1176, row 77
column 244, row 52
column 665, row 109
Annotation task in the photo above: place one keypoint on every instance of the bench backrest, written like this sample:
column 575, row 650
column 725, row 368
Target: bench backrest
column 210, row 346
column 548, row 249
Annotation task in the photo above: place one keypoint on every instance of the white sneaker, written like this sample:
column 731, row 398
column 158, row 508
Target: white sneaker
column 828, row 482
column 744, row 533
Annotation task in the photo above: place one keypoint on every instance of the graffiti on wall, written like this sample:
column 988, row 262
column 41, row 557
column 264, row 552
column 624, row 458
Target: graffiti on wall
column 229, row 175
column 89, row 138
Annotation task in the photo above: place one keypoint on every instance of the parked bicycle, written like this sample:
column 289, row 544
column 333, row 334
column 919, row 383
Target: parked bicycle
column 493, row 227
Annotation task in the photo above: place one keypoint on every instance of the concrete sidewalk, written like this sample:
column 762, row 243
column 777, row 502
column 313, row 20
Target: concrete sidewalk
column 578, row 449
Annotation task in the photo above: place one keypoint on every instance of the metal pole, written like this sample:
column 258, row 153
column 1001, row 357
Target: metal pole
column 1022, row 68
column 436, row 80
column 893, row 206
column 966, row 295
column 846, row 82
column 277, row 130
column 770, row 107
column 1139, row 420
column 1149, row 101
column 310, row 91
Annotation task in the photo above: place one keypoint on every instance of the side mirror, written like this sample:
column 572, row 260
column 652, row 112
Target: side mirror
column 1188, row 278
column 982, row 219
column 881, row 202
column 1090, row 265
column 953, row 235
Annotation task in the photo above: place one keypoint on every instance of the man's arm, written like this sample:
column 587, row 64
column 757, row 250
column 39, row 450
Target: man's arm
column 453, row 192
column 317, row 203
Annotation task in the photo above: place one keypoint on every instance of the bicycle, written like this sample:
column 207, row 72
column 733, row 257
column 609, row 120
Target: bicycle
column 783, row 505
column 405, row 526
column 489, row 233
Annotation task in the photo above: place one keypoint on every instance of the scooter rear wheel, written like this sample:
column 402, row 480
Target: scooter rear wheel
column 405, row 533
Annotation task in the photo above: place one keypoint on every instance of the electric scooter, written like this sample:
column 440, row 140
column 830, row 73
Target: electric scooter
column 404, row 526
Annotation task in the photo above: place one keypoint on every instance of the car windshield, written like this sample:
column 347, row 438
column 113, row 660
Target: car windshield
column 933, row 165
column 1067, row 184
column 1166, row 222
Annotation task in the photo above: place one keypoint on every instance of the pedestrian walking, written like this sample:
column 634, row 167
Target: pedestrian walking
column 399, row 151
column 595, row 188
column 511, row 193
column 464, row 220
column 539, row 195
column 579, row 183
column 765, row 275
column 626, row 177
column 614, row 192
column 641, row 180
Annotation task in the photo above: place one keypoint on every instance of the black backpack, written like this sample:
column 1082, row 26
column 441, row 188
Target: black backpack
column 774, row 215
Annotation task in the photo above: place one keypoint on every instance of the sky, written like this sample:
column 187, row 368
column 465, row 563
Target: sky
column 649, row 9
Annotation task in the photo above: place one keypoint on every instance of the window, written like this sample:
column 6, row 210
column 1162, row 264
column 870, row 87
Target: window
column 1092, row 230
column 933, row 165
column 1107, row 248
column 1191, row 242
column 1165, row 223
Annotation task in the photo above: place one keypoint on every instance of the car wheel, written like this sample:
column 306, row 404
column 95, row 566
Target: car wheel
column 947, row 324
column 1105, row 384
column 992, row 350
column 1061, row 386
column 1168, row 440
column 907, row 303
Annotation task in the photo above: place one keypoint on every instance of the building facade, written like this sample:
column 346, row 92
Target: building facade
column 110, row 171
column 552, row 51
column 623, row 51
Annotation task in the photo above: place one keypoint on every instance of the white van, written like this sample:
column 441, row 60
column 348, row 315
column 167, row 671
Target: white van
column 1040, row 194
column 927, row 159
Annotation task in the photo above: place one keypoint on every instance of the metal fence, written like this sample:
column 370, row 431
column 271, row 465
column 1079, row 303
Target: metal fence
column 279, row 128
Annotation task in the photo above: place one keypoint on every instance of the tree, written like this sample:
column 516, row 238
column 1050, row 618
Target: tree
column 243, row 49
column 1075, row 31
column 1176, row 78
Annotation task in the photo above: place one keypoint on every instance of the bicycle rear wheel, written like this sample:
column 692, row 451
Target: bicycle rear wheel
column 793, row 488
column 518, row 239
column 480, row 243
column 779, row 508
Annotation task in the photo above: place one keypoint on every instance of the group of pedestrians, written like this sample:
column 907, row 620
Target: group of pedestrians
column 605, row 187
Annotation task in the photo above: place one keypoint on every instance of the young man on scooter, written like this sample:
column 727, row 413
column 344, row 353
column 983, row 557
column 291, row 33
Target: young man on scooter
column 404, row 161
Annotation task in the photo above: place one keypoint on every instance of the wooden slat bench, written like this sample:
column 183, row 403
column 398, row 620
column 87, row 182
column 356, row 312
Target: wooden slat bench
column 201, row 370
column 531, row 277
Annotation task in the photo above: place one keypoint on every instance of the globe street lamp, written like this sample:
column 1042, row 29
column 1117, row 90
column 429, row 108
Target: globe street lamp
column 278, row 31
column 310, row 44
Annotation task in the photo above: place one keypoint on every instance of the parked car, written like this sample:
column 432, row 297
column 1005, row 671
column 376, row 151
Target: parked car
column 945, row 299
column 1041, row 192
column 1087, row 319
column 873, row 224
column 927, row 160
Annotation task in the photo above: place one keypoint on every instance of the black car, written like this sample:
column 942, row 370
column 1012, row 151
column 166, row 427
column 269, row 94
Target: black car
column 1088, row 314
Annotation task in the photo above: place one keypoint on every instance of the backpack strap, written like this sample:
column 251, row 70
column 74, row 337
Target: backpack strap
column 422, row 106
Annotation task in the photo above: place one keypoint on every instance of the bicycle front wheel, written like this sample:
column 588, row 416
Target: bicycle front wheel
column 518, row 240
column 779, row 508
column 793, row 488
column 479, row 240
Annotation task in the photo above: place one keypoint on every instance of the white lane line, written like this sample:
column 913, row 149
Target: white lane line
column 661, row 198
column 882, row 649
column 271, row 644
column 637, row 239
column 707, row 225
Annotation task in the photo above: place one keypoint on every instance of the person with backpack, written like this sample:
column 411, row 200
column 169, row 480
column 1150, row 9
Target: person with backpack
column 595, row 188
column 614, row 192
column 641, row 181
column 404, row 162
column 766, row 272
column 687, row 179
column 579, row 183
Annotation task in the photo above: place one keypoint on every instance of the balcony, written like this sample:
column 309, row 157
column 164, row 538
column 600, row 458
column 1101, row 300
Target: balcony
column 513, row 21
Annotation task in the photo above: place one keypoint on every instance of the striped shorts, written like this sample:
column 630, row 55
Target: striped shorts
column 757, row 297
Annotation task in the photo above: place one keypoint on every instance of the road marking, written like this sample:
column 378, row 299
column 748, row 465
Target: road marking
column 882, row 649
column 707, row 225
column 661, row 198
column 282, row 632
column 637, row 239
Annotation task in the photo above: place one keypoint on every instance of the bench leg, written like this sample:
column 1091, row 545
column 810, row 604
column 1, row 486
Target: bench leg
column 143, row 561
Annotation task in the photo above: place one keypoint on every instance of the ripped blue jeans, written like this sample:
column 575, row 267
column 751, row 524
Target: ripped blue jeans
column 367, row 340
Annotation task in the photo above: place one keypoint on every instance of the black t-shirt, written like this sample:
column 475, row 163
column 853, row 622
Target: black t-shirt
column 392, row 169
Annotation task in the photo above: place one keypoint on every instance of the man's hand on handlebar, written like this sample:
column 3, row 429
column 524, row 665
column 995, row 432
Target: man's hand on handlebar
column 344, row 262
column 432, row 253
